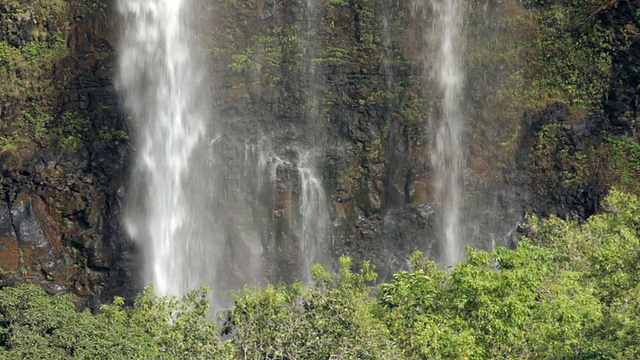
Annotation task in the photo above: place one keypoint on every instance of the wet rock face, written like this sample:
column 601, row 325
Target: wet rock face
column 557, row 180
column 9, row 250
column 370, row 136
column 60, row 228
column 365, row 109
column 408, row 228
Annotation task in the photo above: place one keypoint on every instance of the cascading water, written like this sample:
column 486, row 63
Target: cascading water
column 315, row 228
column 447, row 154
column 293, row 181
column 158, row 79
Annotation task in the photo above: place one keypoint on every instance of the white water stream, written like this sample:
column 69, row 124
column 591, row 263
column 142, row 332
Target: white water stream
column 447, row 154
column 158, row 79
column 315, row 236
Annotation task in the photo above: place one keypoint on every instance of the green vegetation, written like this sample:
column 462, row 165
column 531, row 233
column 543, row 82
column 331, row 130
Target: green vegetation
column 68, row 130
column 623, row 160
column 27, row 73
column 545, row 52
column 573, row 58
column 336, row 316
column 525, row 56
column 27, row 66
column 27, row 62
column 32, row 49
column 570, row 291
column 35, row 325
column 267, row 57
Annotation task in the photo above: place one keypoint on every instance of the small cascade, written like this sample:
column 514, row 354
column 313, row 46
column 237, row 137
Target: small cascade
column 315, row 237
column 298, row 234
column 268, row 164
column 447, row 154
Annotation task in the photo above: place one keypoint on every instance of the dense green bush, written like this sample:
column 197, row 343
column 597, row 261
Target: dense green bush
column 333, row 317
column 34, row 325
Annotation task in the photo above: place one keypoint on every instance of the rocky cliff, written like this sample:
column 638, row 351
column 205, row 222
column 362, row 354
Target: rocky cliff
column 62, row 151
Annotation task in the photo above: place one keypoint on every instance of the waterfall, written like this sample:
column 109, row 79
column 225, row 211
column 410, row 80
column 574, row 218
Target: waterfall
column 159, row 79
column 447, row 154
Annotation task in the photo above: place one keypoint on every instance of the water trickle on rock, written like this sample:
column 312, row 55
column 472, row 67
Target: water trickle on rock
column 314, row 224
column 296, row 198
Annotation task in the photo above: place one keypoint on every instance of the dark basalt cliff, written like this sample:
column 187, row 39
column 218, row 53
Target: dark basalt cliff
column 552, row 126
column 62, row 154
